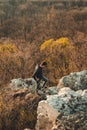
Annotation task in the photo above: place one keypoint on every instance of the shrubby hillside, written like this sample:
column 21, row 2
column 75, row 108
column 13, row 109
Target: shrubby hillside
column 31, row 32
column 34, row 31
column 60, row 107
column 18, row 58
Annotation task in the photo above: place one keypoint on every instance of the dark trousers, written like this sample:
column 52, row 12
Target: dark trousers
column 43, row 78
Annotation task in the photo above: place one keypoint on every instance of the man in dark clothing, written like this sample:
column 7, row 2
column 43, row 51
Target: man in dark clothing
column 38, row 74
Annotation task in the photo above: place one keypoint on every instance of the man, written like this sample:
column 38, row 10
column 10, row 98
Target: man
column 38, row 74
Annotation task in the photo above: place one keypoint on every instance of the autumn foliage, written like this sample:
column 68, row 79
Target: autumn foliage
column 17, row 113
column 62, row 56
column 10, row 62
column 39, row 31
column 30, row 33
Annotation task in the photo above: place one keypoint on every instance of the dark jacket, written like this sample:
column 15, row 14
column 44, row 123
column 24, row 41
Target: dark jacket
column 38, row 73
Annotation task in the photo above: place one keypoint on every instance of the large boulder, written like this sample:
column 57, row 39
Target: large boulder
column 46, row 116
column 76, row 81
column 65, row 105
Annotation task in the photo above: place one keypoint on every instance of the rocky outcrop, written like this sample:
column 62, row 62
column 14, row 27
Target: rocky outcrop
column 20, row 83
column 75, row 81
column 65, row 108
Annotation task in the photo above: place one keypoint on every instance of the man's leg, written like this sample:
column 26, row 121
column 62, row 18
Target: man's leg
column 45, row 80
column 38, row 84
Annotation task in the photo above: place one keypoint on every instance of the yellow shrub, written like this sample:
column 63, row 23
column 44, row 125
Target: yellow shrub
column 57, row 54
column 63, row 41
column 46, row 44
column 8, row 48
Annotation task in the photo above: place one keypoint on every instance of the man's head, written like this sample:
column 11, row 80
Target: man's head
column 43, row 64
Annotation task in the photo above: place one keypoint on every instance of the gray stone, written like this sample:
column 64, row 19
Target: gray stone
column 68, row 101
column 52, row 90
column 20, row 83
column 65, row 110
column 76, row 81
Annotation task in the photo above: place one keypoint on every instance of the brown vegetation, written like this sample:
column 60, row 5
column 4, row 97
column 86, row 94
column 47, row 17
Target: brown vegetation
column 29, row 33
column 30, row 24
column 18, row 111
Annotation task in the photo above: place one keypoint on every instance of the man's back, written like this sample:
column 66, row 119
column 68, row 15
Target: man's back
column 38, row 73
